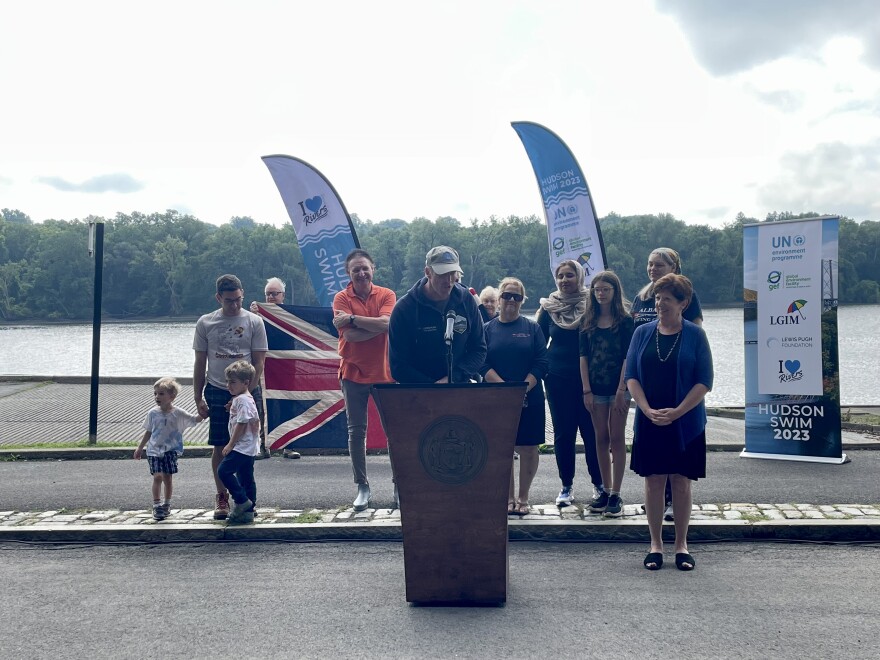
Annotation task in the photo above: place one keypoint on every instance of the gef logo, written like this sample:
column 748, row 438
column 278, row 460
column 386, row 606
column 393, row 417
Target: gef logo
column 773, row 279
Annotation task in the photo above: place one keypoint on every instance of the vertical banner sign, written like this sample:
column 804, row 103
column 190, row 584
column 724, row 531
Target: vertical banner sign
column 572, row 228
column 323, row 226
column 790, row 315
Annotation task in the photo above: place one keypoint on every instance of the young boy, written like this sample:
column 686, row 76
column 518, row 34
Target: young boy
column 236, row 471
column 163, row 439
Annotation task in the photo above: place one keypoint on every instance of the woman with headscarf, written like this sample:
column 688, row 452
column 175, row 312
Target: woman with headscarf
column 560, row 316
column 662, row 261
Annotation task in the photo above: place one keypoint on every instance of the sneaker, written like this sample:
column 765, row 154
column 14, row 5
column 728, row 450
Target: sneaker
column 289, row 453
column 668, row 514
column 565, row 497
column 246, row 518
column 263, row 453
column 599, row 503
column 239, row 510
column 614, row 509
column 221, row 507
column 159, row 512
column 167, row 509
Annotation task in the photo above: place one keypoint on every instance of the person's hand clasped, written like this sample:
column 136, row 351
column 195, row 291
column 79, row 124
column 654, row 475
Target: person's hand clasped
column 254, row 307
column 202, row 407
column 665, row 416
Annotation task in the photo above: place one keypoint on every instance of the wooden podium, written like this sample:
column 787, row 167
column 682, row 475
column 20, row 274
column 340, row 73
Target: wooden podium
column 451, row 450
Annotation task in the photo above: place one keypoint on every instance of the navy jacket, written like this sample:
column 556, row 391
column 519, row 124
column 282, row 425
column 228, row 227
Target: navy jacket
column 694, row 366
column 417, row 351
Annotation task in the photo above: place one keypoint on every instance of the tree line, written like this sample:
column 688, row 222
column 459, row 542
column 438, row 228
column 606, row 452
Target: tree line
column 165, row 264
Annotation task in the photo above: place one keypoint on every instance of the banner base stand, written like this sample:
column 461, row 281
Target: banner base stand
column 791, row 457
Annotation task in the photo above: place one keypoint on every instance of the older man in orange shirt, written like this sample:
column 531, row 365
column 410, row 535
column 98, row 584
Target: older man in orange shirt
column 361, row 313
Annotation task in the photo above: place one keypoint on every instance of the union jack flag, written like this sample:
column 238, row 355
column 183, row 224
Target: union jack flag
column 301, row 393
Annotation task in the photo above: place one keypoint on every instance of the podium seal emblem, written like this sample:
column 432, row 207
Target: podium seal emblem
column 453, row 450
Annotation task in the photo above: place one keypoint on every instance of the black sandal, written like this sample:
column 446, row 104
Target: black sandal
column 655, row 559
column 685, row 562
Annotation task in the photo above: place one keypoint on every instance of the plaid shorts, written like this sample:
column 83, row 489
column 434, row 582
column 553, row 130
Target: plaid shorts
column 164, row 464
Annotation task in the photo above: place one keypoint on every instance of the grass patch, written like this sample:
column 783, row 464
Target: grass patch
column 859, row 418
column 75, row 444
column 308, row 517
column 753, row 517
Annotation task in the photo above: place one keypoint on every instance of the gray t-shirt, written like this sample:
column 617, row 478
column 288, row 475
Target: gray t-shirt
column 227, row 339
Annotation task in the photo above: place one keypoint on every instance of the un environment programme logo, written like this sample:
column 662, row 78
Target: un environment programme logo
column 792, row 316
column 790, row 371
column 788, row 241
column 313, row 209
column 773, row 279
column 453, row 450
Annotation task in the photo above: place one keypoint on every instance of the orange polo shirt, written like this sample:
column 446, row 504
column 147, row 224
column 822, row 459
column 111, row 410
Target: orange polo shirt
column 365, row 361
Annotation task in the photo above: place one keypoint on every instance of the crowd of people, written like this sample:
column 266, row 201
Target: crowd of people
column 590, row 351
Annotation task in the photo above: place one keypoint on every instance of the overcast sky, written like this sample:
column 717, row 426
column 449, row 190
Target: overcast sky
column 698, row 108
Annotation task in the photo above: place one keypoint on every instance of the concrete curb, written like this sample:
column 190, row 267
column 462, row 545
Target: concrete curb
column 627, row 531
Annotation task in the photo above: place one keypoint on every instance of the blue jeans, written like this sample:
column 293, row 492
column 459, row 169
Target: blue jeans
column 236, row 471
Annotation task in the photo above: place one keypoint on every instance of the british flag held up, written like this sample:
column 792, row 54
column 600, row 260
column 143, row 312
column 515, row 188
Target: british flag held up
column 304, row 404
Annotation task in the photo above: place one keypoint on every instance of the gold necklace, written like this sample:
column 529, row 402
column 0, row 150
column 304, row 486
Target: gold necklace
column 657, row 343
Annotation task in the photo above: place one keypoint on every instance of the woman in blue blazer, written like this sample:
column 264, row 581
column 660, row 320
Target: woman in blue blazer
column 668, row 373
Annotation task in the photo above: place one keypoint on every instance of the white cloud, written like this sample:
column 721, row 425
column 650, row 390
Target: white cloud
column 103, row 183
column 406, row 107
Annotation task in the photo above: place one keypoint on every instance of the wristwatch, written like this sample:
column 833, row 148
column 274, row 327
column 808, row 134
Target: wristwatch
column 351, row 321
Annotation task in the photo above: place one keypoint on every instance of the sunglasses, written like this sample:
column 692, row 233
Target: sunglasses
column 516, row 297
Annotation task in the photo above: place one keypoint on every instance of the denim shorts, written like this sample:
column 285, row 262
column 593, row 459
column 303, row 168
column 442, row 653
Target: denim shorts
column 609, row 400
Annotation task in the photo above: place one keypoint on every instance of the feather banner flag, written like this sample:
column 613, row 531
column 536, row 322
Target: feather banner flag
column 301, row 392
column 572, row 228
column 323, row 226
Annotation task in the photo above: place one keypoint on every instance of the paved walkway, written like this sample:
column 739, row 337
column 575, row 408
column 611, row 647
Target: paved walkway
column 34, row 413
column 709, row 522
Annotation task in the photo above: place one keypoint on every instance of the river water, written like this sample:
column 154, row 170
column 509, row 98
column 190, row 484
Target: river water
column 165, row 349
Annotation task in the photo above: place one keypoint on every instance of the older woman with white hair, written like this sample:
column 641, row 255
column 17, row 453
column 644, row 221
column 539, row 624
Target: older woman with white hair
column 274, row 292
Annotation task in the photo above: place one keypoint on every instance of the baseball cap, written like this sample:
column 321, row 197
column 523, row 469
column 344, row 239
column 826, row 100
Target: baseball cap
column 442, row 259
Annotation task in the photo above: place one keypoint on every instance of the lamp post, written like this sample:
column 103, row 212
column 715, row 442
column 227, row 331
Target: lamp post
column 96, row 249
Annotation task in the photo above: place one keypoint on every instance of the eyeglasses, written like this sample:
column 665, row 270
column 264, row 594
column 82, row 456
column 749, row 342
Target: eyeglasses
column 232, row 301
column 508, row 295
column 272, row 294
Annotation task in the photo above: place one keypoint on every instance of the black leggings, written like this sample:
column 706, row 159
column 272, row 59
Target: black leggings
column 566, row 401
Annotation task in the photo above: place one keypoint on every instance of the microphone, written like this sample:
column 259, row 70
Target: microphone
column 450, row 321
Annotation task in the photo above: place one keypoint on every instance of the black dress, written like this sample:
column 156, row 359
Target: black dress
column 656, row 448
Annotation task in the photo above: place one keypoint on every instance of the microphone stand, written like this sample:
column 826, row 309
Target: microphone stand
column 449, row 362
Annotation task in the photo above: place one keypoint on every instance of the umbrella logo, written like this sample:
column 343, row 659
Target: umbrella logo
column 797, row 306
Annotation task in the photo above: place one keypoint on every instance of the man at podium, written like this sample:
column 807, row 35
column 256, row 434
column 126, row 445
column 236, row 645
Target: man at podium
column 436, row 313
